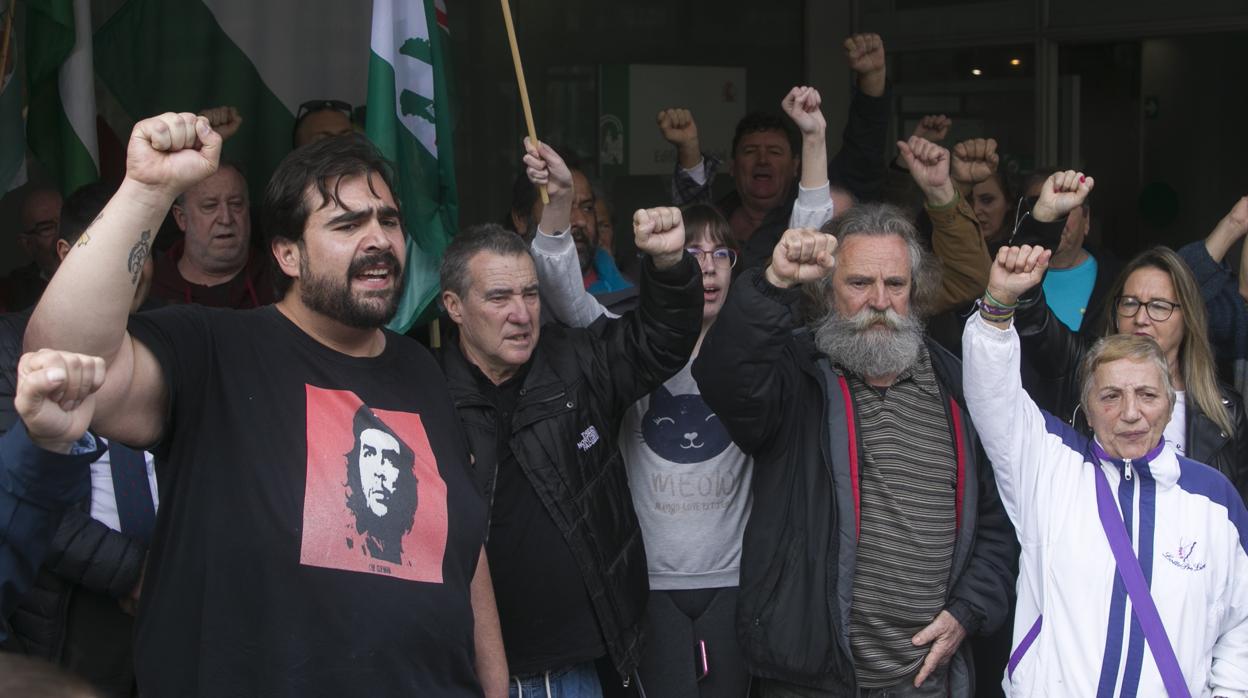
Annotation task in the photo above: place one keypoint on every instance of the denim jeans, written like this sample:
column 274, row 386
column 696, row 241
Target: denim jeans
column 575, row 681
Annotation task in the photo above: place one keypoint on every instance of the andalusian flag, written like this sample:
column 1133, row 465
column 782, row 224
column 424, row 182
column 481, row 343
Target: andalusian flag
column 61, row 121
column 267, row 58
column 411, row 121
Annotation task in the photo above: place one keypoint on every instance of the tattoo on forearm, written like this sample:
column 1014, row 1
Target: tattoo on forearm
column 138, row 256
column 86, row 234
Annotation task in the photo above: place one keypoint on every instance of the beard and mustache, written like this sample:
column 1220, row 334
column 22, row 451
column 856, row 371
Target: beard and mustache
column 334, row 297
column 871, row 342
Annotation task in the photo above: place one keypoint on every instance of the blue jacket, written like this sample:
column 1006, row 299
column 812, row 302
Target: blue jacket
column 35, row 488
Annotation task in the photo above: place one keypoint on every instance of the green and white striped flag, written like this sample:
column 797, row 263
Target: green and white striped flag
column 266, row 58
column 60, row 127
column 410, row 119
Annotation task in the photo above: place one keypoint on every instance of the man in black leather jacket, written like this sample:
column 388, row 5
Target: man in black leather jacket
column 541, row 406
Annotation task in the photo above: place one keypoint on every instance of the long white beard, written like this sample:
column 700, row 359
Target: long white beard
column 868, row 350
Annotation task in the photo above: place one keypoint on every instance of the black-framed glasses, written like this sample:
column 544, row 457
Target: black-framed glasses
column 315, row 105
column 1158, row 310
column 720, row 256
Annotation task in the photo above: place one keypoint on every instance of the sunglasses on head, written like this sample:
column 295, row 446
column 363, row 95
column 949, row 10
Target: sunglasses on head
column 316, row 105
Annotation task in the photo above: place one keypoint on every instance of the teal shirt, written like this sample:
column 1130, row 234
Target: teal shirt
column 1068, row 291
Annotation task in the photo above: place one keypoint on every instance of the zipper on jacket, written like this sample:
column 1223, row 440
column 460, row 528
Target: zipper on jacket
column 1126, row 469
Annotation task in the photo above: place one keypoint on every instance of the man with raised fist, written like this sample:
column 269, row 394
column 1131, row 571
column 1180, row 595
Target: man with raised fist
column 877, row 542
column 256, row 583
column 766, row 157
column 542, row 406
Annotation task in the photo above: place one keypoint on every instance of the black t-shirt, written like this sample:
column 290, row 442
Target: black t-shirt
column 543, row 605
column 318, row 528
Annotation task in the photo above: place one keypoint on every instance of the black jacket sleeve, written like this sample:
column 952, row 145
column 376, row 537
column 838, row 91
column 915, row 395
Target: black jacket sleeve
column 982, row 596
column 1050, row 347
column 90, row 554
column 742, row 370
column 861, row 166
column 645, row 347
column 35, row 487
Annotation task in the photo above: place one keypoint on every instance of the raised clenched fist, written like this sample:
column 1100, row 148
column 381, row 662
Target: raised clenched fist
column 802, row 106
column 171, row 152
column 678, row 127
column 224, row 120
column 1016, row 270
column 975, row 160
column 802, row 255
column 865, row 53
column 1060, row 194
column 933, row 127
column 55, row 395
column 929, row 166
column 660, row 233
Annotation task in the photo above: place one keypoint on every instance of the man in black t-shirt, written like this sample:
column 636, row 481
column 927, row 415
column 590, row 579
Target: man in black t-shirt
column 261, row 579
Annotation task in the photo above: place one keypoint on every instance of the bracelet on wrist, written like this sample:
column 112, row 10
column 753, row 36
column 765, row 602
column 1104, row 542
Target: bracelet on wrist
column 996, row 319
column 991, row 311
column 988, row 299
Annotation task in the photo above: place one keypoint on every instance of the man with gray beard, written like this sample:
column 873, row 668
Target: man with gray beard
column 877, row 542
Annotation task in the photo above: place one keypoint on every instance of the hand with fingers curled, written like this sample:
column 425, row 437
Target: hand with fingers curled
column 1060, row 194
column 933, row 127
column 224, row 120
column 169, row 153
column 802, row 255
column 802, row 106
column 678, row 128
column 944, row 635
column 56, row 396
column 929, row 167
column 544, row 166
column 865, row 54
column 975, row 160
column 1015, row 271
column 660, row 233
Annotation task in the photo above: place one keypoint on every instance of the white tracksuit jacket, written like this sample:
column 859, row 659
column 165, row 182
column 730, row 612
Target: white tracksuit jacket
column 1187, row 524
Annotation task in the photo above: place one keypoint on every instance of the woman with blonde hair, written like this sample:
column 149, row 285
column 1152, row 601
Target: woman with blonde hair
column 1155, row 295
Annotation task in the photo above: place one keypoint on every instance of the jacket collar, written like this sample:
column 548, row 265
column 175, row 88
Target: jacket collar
column 1159, row 464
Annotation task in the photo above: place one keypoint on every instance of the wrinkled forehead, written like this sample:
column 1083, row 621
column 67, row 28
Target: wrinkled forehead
column 1129, row 374
column 226, row 182
column 873, row 255
column 493, row 271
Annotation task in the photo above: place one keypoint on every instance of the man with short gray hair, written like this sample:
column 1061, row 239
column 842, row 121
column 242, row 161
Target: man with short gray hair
column 542, row 407
column 877, row 542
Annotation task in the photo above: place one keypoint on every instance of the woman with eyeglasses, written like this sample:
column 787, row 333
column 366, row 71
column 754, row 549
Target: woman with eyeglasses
column 690, row 483
column 1157, row 296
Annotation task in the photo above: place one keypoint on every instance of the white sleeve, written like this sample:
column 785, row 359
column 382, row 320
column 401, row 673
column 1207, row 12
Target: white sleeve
column 559, row 273
column 813, row 207
column 697, row 173
column 1010, row 426
column 1229, row 673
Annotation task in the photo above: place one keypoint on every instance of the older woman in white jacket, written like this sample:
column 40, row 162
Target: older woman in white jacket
column 1134, row 571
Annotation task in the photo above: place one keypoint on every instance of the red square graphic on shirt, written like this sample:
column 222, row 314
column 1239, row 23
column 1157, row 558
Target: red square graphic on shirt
column 374, row 501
